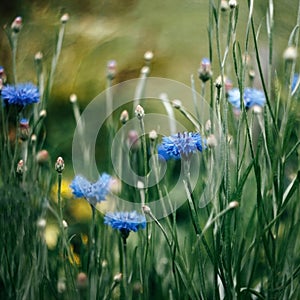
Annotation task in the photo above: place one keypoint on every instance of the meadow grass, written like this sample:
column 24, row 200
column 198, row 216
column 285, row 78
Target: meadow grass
column 236, row 234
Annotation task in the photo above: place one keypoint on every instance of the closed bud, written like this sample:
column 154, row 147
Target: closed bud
column 111, row 69
column 139, row 112
column 148, row 56
column 24, row 129
column 208, row 125
column 232, row 4
column 224, row 5
column 290, row 54
column 42, row 157
column 124, row 117
column 233, row 204
column 61, row 286
column 82, row 280
column 133, row 141
column 16, row 25
column 65, row 224
column 41, row 223
column 59, row 165
column 43, row 113
column 38, row 56
column 3, row 76
column 64, row 18
column 20, row 167
column 205, row 72
column 211, row 141
column 146, row 209
column 73, row 98
column 177, row 103
column 153, row 135
column 145, row 70
column 118, row 278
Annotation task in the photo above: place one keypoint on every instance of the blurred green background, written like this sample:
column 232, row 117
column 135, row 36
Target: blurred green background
column 175, row 30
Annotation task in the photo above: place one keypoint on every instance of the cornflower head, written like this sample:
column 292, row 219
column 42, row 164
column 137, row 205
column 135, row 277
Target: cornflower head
column 94, row 192
column 181, row 145
column 252, row 97
column 21, row 94
column 125, row 221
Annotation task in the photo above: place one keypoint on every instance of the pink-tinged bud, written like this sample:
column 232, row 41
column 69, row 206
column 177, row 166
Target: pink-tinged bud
column 82, row 281
column 228, row 84
column 20, row 167
column 59, row 165
column 16, row 25
column 139, row 112
column 42, row 157
column 224, row 5
column 111, row 69
column 212, row 141
column 133, row 141
column 146, row 209
column 3, row 76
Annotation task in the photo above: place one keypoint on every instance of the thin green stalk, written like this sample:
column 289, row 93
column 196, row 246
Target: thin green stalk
column 125, row 268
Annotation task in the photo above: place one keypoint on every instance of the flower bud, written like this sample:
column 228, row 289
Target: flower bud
column 145, row 70
column 139, row 112
column 124, row 117
column 146, row 209
column 208, row 125
column 43, row 113
column 65, row 224
column 111, row 69
column 61, row 286
column 41, row 223
column 148, row 56
column 290, row 54
column 64, row 18
column 16, row 25
column 20, row 167
column 153, row 135
column 24, row 129
column 42, row 157
column 73, row 98
column 133, row 140
column 232, row 4
column 233, row 204
column 177, row 103
column 82, row 280
column 3, row 76
column 211, row 141
column 38, row 56
column 205, row 72
column 118, row 278
column 224, row 5
column 59, row 165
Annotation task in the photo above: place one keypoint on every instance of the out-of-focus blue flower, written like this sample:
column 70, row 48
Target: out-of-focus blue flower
column 295, row 81
column 22, row 94
column 251, row 97
column 98, row 190
column 181, row 145
column 125, row 221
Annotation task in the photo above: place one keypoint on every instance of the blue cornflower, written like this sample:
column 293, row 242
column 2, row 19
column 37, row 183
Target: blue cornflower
column 251, row 97
column 22, row 94
column 98, row 190
column 181, row 145
column 125, row 221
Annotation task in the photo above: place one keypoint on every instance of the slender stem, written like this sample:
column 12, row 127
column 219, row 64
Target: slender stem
column 145, row 158
column 125, row 267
